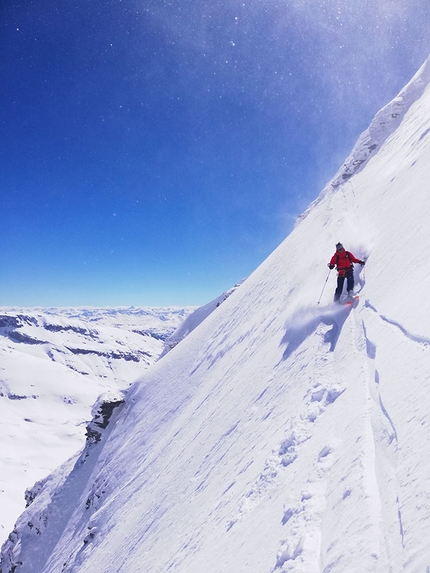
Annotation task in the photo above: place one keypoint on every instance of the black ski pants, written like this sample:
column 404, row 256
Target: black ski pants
column 349, row 276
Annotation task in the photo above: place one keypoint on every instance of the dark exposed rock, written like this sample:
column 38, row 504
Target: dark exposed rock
column 101, row 417
column 67, row 328
column 128, row 356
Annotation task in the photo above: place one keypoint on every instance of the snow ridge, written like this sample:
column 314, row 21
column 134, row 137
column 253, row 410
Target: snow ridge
column 280, row 436
column 384, row 124
column 53, row 365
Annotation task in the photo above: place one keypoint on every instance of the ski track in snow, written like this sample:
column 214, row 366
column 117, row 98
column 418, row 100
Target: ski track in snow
column 384, row 442
column 386, row 438
column 302, row 517
column 413, row 337
column 383, row 472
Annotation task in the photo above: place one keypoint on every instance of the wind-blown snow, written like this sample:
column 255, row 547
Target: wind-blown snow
column 279, row 435
column 386, row 121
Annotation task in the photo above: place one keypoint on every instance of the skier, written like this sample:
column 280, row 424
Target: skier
column 345, row 270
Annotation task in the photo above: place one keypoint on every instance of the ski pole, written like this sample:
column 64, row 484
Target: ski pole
column 319, row 300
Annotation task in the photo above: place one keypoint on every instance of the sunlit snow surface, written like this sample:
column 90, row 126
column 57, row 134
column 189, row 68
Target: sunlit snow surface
column 281, row 434
column 53, row 365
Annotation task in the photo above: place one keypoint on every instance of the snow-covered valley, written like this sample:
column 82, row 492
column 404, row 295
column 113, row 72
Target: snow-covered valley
column 53, row 365
column 280, row 435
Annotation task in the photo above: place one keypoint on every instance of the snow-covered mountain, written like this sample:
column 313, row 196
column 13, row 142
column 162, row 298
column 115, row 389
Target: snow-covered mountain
column 195, row 318
column 53, row 365
column 280, row 434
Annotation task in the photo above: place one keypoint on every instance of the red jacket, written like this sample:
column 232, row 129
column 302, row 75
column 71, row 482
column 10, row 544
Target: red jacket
column 343, row 260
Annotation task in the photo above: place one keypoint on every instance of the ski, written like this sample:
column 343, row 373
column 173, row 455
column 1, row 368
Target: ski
column 351, row 301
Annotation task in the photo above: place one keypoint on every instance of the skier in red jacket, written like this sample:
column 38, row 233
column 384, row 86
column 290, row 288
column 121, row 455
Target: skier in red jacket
column 343, row 260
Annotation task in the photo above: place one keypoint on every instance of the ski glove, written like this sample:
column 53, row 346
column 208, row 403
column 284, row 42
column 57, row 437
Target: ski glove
column 362, row 263
column 330, row 266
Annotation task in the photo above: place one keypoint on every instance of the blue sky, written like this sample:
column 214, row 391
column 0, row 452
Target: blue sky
column 156, row 152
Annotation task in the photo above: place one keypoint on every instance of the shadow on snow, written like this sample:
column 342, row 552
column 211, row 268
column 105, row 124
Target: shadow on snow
column 305, row 322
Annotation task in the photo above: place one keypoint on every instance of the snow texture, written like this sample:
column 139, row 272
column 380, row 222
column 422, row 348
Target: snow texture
column 53, row 365
column 195, row 318
column 280, row 435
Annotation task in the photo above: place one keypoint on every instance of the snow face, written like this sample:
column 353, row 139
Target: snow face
column 386, row 121
column 280, row 435
column 195, row 318
column 53, row 365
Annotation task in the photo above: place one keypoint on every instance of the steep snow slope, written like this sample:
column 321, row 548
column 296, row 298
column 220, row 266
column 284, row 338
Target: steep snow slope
column 53, row 365
column 280, row 435
column 195, row 318
column 386, row 121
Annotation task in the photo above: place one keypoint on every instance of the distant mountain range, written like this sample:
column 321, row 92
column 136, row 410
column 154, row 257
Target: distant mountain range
column 53, row 365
